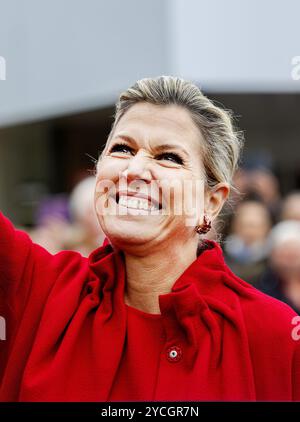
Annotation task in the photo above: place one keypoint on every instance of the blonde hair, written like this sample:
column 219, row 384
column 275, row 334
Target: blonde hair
column 222, row 141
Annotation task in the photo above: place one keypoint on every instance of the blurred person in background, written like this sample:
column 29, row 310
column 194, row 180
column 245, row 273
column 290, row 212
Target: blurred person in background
column 282, row 277
column 254, row 180
column 257, row 181
column 72, row 224
column 87, row 235
column 291, row 206
column 52, row 224
column 246, row 247
column 265, row 184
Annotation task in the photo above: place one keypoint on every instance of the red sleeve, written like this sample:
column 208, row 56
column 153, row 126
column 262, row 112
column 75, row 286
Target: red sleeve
column 15, row 251
column 16, row 276
column 296, row 359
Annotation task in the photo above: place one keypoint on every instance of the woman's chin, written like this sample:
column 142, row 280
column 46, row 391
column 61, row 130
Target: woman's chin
column 131, row 234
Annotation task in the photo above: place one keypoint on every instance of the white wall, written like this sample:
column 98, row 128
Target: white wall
column 64, row 55
column 236, row 45
column 71, row 55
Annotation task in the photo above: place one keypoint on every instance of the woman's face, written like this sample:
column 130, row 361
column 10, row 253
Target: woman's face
column 149, row 187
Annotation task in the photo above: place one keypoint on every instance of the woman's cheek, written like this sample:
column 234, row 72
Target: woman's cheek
column 193, row 201
column 105, row 191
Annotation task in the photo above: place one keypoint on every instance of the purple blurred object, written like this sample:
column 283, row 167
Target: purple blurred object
column 54, row 206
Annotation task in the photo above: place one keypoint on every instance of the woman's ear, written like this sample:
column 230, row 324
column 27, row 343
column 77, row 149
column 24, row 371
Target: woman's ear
column 215, row 199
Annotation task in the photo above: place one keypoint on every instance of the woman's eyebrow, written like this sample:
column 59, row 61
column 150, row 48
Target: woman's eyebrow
column 125, row 138
column 161, row 147
column 164, row 147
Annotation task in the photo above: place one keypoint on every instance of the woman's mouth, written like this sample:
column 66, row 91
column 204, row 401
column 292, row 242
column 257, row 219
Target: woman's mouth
column 137, row 202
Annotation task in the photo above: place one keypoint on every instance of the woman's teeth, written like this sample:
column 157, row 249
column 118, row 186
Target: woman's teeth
column 137, row 203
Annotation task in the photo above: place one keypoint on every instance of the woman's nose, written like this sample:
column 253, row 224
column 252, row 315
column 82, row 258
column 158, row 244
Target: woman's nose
column 138, row 168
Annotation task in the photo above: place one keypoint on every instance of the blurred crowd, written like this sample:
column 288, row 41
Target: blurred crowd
column 69, row 222
column 261, row 235
column 259, row 230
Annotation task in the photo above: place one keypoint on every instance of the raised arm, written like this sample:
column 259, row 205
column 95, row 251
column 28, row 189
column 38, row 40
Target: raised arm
column 15, row 249
column 18, row 256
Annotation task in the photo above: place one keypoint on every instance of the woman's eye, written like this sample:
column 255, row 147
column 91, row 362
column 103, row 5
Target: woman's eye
column 120, row 148
column 168, row 156
column 171, row 156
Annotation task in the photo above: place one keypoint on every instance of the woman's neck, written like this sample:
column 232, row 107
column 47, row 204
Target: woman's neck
column 149, row 276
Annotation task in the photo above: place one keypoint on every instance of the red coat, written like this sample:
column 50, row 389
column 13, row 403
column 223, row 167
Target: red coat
column 70, row 337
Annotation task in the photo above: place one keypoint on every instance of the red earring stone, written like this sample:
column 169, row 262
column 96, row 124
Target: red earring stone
column 205, row 226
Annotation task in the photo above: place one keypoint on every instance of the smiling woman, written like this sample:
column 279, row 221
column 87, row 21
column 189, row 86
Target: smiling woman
column 154, row 313
column 157, row 146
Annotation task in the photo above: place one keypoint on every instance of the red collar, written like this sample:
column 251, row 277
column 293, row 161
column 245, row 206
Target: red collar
column 204, row 271
column 205, row 294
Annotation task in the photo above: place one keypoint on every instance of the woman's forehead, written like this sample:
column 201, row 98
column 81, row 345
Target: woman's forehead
column 159, row 123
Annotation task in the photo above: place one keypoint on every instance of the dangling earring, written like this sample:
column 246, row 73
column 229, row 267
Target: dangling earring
column 205, row 227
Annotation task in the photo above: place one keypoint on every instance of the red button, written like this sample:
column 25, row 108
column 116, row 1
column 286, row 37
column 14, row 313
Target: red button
column 174, row 354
